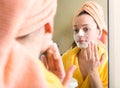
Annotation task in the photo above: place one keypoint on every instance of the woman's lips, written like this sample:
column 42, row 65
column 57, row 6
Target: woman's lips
column 81, row 41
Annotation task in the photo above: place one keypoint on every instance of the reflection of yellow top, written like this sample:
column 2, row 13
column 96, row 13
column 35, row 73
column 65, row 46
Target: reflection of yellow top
column 70, row 58
column 51, row 79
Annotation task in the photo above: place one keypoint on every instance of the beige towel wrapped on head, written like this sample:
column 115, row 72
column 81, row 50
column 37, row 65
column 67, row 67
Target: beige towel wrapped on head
column 96, row 12
column 42, row 12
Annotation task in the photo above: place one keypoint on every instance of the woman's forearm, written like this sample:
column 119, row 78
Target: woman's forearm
column 95, row 80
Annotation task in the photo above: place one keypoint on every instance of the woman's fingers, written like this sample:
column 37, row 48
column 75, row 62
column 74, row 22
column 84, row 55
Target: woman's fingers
column 54, row 61
column 96, row 53
column 89, row 51
column 44, row 60
column 53, row 55
column 68, row 75
column 93, row 52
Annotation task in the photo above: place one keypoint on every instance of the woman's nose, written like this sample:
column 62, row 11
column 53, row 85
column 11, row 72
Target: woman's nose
column 81, row 33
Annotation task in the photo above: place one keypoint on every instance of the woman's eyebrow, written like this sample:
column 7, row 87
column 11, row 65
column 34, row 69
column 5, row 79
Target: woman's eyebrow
column 84, row 25
column 75, row 25
column 81, row 25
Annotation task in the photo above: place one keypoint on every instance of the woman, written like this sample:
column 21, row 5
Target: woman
column 88, row 53
column 23, row 35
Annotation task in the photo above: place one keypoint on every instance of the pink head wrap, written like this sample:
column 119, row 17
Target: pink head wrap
column 95, row 11
column 42, row 12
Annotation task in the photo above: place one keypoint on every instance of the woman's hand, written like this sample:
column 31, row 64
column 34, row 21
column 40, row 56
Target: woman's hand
column 89, row 62
column 89, row 58
column 53, row 62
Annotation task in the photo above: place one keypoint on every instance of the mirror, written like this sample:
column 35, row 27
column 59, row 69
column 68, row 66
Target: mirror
column 63, row 34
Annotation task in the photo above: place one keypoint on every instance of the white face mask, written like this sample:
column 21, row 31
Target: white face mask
column 76, row 38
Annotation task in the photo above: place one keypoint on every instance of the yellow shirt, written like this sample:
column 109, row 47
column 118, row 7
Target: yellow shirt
column 70, row 58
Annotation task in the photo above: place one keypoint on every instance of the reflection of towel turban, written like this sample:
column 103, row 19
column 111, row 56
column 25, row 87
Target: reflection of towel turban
column 42, row 12
column 96, row 12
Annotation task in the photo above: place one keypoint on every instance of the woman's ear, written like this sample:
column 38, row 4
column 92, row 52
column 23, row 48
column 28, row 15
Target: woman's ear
column 103, row 37
column 48, row 28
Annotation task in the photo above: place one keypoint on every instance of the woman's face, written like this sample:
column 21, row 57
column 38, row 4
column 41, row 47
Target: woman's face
column 85, row 30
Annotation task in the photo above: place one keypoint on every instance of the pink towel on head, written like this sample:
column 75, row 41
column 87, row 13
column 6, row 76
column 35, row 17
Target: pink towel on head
column 21, row 17
column 42, row 12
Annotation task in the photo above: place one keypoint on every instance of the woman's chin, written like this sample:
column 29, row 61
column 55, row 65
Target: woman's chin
column 83, row 45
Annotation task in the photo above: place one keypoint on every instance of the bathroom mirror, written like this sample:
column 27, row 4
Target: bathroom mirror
column 63, row 34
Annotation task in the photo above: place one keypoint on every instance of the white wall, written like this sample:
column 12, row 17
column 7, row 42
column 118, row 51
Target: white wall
column 114, row 43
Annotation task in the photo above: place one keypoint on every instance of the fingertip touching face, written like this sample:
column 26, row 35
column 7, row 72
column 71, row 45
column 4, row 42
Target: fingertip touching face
column 85, row 30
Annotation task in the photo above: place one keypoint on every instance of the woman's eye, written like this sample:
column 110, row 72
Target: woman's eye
column 85, row 29
column 76, row 30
